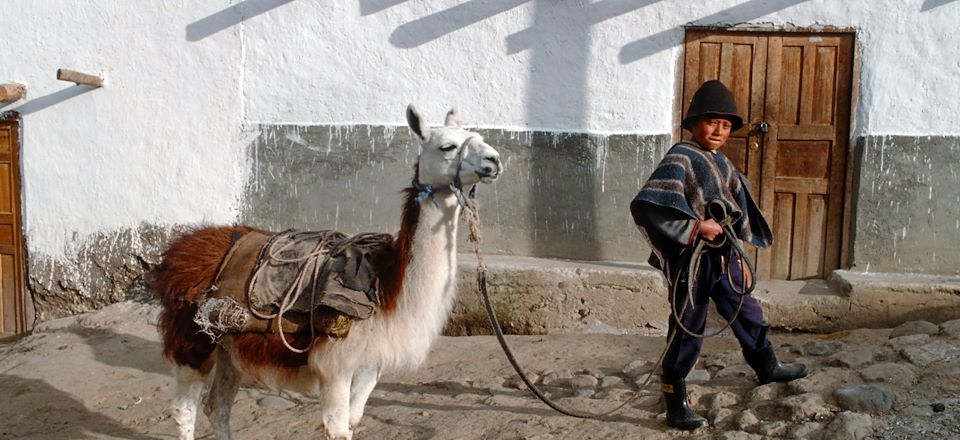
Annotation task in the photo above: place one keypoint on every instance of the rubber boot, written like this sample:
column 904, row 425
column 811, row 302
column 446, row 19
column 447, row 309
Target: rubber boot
column 769, row 369
column 679, row 414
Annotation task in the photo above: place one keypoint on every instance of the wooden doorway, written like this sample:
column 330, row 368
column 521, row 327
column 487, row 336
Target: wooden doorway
column 12, row 298
column 794, row 91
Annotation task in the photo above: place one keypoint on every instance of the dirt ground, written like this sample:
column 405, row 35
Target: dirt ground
column 101, row 376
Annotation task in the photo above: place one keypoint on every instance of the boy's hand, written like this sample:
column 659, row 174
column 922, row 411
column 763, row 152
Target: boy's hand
column 710, row 229
column 747, row 281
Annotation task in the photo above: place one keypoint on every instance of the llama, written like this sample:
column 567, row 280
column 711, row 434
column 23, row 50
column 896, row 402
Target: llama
column 416, row 275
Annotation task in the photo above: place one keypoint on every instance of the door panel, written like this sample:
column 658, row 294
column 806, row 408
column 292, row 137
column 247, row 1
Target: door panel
column 783, row 213
column 11, row 244
column 799, row 84
column 808, row 111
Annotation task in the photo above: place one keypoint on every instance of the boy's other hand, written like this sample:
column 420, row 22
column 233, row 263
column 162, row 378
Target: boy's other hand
column 710, row 229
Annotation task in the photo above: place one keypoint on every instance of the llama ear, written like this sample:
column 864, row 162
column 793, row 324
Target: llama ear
column 416, row 123
column 453, row 118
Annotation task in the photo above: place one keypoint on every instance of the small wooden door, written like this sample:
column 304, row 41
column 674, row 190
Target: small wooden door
column 12, row 305
column 793, row 90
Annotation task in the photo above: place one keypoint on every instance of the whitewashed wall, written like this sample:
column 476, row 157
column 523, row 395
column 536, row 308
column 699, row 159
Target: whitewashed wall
column 164, row 142
column 158, row 144
column 598, row 66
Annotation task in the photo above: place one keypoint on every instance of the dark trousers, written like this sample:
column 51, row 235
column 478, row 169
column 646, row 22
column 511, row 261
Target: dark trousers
column 711, row 283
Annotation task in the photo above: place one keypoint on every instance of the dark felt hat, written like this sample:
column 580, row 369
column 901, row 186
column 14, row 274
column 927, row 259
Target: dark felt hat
column 712, row 98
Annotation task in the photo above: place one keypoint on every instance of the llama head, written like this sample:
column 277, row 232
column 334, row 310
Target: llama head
column 449, row 150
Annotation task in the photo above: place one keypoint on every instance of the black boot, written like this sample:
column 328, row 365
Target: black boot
column 679, row 414
column 769, row 369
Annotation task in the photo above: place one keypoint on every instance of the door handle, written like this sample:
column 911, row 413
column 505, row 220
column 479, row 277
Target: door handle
column 761, row 129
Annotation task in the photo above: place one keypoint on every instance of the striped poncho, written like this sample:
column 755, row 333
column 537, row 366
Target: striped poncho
column 687, row 179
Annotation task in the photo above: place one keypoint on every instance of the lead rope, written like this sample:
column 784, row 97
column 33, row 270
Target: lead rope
column 472, row 218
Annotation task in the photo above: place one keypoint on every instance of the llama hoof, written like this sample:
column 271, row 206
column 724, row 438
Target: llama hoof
column 354, row 421
column 339, row 436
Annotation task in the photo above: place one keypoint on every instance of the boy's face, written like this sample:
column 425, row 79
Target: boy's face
column 712, row 131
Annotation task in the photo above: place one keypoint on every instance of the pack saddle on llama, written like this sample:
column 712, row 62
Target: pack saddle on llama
column 357, row 305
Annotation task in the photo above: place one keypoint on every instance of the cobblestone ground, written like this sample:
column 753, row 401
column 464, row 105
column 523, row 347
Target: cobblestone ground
column 101, row 376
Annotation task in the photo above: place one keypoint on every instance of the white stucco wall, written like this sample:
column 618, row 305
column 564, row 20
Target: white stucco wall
column 164, row 142
column 598, row 66
column 158, row 144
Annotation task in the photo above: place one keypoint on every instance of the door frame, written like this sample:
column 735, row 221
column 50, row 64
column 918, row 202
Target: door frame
column 23, row 302
column 849, row 196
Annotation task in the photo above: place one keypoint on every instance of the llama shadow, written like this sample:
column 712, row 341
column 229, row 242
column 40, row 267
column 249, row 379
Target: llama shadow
column 34, row 409
column 123, row 350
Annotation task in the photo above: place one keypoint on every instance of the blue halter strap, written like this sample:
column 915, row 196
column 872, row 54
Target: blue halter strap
column 425, row 192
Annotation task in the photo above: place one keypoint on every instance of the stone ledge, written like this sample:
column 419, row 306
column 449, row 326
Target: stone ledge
column 542, row 296
column 558, row 296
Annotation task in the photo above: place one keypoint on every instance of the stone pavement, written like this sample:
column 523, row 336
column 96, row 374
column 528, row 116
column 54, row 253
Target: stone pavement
column 882, row 383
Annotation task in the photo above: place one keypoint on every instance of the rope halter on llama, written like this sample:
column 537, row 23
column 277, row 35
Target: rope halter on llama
column 425, row 192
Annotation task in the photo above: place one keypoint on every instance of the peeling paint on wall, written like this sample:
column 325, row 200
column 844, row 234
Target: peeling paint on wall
column 108, row 268
column 908, row 204
column 562, row 195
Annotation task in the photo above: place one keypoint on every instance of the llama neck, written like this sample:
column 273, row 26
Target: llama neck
column 430, row 279
column 418, row 283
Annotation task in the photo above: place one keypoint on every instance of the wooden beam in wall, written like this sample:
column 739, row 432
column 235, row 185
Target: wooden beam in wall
column 11, row 92
column 79, row 78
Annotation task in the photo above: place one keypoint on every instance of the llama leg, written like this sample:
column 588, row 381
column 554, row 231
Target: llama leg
column 219, row 401
column 336, row 407
column 188, row 387
column 364, row 380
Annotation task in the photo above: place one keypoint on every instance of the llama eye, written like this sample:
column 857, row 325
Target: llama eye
column 448, row 147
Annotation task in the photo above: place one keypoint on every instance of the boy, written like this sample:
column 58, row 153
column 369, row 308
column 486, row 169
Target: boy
column 673, row 212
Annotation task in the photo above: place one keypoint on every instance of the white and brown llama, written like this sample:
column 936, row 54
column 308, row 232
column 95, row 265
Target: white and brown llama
column 416, row 275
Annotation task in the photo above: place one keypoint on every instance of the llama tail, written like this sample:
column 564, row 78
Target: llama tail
column 188, row 267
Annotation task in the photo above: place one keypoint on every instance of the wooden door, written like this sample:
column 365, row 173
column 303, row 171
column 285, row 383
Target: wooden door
column 12, row 308
column 798, row 85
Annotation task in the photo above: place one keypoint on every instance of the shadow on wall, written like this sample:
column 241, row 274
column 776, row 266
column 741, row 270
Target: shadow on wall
column 37, row 104
column 667, row 38
column 563, row 191
column 930, row 4
column 566, row 183
column 368, row 7
column 229, row 17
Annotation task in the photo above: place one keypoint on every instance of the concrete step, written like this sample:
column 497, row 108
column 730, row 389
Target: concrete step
column 549, row 296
